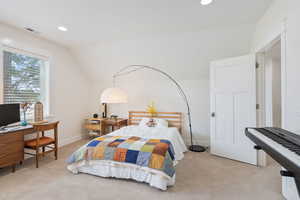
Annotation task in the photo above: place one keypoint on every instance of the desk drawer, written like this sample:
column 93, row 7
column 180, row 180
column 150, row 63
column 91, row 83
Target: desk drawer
column 9, row 148
column 11, row 159
column 11, row 137
column 94, row 127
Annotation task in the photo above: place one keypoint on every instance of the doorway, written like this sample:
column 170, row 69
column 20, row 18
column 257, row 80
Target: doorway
column 270, row 85
column 273, row 84
column 270, row 89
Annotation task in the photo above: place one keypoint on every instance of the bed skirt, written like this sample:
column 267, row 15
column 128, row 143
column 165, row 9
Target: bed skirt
column 105, row 168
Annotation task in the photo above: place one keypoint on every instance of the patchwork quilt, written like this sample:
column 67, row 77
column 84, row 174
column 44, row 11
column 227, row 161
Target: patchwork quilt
column 157, row 154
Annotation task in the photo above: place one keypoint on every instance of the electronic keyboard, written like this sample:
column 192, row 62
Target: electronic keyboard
column 283, row 146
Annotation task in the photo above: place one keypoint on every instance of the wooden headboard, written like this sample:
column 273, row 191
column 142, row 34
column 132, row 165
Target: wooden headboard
column 174, row 118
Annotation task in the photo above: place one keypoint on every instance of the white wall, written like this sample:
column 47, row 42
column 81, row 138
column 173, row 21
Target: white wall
column 267, row 30
column 185, row 56
column 293, row 69
column 292, row 84
column 270, row 25
column 69, row 88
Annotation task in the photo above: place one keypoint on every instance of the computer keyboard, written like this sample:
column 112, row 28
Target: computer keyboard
column 14, row 128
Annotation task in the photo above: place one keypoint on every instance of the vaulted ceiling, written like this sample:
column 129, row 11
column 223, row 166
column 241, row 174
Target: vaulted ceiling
column 91, row 21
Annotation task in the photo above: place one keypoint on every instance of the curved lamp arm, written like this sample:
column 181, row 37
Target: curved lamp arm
column 133, row 68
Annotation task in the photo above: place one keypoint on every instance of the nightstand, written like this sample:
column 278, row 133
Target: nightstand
column 114, row 124
column 104, row 125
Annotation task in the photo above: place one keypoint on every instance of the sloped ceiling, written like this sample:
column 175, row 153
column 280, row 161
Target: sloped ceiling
column 179, row 36
column 91, row 21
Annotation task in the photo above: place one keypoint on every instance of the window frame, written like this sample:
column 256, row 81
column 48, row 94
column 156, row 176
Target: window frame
column 46, row 73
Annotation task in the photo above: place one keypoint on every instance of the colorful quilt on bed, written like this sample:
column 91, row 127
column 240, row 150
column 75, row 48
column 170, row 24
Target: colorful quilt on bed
column 153, row 153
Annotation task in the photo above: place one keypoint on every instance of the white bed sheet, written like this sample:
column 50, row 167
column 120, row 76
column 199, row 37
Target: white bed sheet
column 155, row 178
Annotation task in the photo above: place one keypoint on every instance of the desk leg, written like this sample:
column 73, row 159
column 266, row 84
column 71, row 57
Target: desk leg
column 13, row 168
column 102, row 128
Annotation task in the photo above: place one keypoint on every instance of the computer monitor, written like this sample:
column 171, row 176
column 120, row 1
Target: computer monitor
column 9, row 114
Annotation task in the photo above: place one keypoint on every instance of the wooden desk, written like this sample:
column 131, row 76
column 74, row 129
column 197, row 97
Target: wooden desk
column 105, row 123
column 12, row 146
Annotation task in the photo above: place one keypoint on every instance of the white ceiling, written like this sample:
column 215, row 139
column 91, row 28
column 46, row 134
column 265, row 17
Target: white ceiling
column 91, row 21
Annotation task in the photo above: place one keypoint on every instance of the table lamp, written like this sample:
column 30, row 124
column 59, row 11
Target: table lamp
column 112, row 96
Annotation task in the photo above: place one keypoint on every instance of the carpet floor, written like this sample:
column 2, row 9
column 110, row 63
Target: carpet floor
column 200, row 176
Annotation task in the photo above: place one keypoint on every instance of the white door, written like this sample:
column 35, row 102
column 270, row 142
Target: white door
column 233, row 107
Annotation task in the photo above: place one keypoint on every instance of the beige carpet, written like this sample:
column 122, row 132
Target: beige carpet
column 199, row 176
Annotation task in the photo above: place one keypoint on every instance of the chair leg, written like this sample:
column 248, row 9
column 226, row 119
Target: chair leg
column 37, row 158
column 55, row 151
column 44, row 151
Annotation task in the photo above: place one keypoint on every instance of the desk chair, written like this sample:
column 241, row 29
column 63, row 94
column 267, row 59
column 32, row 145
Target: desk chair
column 43, row 142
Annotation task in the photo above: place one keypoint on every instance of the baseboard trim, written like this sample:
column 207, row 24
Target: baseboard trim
column 69, row 140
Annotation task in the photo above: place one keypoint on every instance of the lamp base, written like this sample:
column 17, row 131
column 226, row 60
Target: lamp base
column 197, row 148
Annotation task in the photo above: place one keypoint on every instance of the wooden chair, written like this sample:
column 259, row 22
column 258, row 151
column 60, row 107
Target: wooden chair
column 42, row 141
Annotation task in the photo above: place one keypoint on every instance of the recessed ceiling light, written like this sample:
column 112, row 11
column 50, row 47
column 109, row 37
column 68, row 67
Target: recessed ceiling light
column 30, row 30
column 62, row 28
column 206, row 2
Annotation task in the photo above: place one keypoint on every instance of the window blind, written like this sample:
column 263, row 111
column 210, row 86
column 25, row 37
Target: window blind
column 22, row 78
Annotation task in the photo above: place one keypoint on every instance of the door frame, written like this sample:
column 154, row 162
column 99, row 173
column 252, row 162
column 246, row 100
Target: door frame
column 282, row 37
column 260, row 53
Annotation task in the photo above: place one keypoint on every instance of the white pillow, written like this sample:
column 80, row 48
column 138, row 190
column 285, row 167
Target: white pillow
column 158, row 121
column 144, row 121
column 162, row 122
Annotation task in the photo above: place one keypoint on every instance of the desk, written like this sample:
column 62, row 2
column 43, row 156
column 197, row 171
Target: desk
column 12, row 146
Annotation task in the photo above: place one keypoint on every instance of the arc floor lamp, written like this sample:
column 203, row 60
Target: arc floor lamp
column 116, row 95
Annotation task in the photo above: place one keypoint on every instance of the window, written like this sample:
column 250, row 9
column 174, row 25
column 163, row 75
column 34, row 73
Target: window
column 24, row 79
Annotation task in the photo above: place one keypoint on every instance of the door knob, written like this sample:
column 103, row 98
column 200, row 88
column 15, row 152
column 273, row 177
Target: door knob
column 213, row 114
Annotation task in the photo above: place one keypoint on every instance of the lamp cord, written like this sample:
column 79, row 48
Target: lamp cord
column 124, row 72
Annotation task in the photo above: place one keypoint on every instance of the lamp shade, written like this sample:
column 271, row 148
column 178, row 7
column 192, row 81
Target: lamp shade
column 113, row 95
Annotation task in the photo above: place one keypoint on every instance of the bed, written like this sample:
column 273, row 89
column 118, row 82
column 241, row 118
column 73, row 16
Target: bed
column 137, row 151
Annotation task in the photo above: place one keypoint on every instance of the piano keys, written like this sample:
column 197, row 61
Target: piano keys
column 283, row 146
